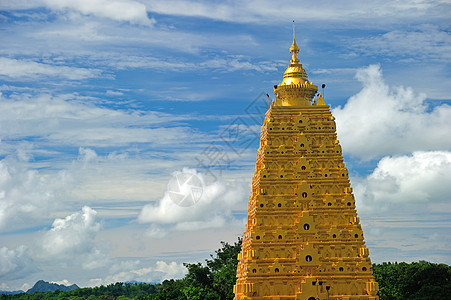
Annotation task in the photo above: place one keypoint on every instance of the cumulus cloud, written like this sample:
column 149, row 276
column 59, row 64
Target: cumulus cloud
column 73, row 239
column 73, row 243
column 143, row 272
column 75, row 232
column 422, row 177
column 26, row 195
column 62, row 282
column 16, row 263
column 382, row 120
column 31, row 70
column 214, row 208
column 405, row 207
column 31, row 194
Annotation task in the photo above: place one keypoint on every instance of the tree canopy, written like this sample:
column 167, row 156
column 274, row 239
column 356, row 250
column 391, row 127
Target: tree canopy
column 417, row 280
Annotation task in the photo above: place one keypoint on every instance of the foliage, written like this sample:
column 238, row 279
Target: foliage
column 217, row 278
column 418, row 280
column 224, row 269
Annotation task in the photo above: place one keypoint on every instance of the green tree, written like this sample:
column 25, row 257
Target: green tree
column 418, row 280
column 223, row 268
column 199, row 283
column 171, row 290
column 215, row 280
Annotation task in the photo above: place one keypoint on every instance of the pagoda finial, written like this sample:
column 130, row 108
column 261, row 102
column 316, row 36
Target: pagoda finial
column 294, row 49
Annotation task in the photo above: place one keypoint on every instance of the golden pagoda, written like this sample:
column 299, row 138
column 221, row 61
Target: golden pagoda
column 303, row 239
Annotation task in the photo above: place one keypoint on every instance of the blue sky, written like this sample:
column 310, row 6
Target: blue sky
column 102, row 101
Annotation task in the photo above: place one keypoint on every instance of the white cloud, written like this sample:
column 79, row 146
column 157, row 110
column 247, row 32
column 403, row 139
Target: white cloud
column 75, row 233
column 225, row 63
column 142, row 272
column 68, row 120
column 118, row 10
column 170, row 270
column 213, row 209
column 62, row 282
column 114, row 93
column 85, row 39
column 270, row 11
column 16, row 263
column 116, row 183
column 426, row 43
column 113, row 180
column 30, row 70
column 405, row 207
column 422, row 177
column 72, row 240
column 238, row 62
column 383, row 120
column 73, row 243
column 27, row 195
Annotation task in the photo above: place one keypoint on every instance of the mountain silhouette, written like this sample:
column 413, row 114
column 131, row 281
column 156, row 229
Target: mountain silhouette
column 44, row 286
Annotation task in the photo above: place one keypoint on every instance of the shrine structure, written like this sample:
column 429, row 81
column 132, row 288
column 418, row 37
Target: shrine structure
column 303, row 239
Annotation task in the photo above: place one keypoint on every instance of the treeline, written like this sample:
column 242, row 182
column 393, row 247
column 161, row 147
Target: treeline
column 419, row 280
column 215, row 280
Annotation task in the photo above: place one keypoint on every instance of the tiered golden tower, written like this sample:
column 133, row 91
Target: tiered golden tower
column 303, row 239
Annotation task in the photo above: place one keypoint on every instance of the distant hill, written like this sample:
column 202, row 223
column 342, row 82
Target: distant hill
column 44, row 286
column 11, row 293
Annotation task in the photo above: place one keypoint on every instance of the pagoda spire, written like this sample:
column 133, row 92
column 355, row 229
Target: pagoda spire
column 294, row 49
column 295, row 89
